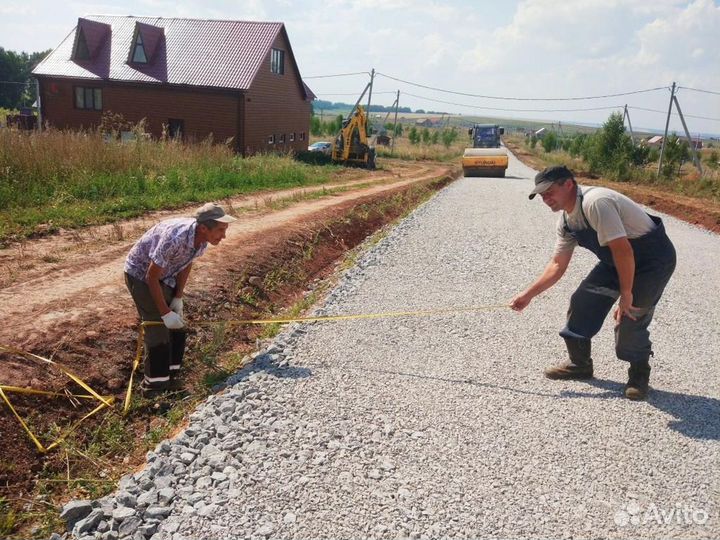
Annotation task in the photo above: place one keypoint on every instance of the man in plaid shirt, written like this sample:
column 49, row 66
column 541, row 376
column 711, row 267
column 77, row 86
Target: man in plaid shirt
column 156, row 271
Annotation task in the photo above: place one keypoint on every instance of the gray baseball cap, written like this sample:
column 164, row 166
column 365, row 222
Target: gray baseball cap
column 556, row 174
column 213, row 212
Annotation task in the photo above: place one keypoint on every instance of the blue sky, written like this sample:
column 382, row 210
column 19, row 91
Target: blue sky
column 523, row 49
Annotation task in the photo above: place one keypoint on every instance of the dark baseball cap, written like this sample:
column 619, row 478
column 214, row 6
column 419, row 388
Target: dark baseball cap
column 556, row 174
column 212, row 212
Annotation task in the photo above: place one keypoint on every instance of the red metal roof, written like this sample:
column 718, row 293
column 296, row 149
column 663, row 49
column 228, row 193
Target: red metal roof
column 195, row 52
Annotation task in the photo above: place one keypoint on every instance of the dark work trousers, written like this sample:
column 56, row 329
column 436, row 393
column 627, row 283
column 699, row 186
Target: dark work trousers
column 654, row 264
column 164, row 349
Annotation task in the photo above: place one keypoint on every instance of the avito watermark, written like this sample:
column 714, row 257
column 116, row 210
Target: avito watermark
column 633, row 515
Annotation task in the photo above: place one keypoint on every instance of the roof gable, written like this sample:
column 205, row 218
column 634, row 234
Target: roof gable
column 193, row 52
column 88, row 39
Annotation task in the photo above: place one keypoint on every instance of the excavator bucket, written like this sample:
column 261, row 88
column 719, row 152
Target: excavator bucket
column 485, row 162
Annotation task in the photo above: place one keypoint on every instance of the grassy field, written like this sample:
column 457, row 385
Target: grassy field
column 54, row 179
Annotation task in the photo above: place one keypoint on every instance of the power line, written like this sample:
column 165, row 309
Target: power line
column 338, row 75
column 699, row 90
column 16, row 82
column 518, row 98
column 674, row 114
column 353, row 94
column 512, row 110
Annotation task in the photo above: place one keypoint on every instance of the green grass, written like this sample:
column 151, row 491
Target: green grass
column 55, row 179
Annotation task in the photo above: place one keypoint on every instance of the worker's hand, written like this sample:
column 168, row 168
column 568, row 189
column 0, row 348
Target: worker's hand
column 625, row 308
column 520, row 302
column 173, row 321
column 177, row 306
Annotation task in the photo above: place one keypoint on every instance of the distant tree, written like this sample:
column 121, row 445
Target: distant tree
column 550, row 142
column 398, row 130
column 677, row 152
column 316, row 126
column 17, row 68
column 425, row 136
column 413, row 135
column 449, row 136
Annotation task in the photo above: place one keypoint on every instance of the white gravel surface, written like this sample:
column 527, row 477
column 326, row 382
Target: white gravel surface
column 445, row 427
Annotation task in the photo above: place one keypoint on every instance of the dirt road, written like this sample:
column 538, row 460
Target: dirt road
column 75, row 279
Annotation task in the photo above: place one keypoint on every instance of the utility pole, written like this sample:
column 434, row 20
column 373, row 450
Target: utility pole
column 667, row 124
column 397, row 104
column 626, row 114
column 372, row 78
column 687, row 134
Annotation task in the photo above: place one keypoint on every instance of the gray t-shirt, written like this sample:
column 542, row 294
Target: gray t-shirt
column 611, row 214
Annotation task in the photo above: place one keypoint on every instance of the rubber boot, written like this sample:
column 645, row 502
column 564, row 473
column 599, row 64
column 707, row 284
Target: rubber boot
column 580, row 366
column 638, row 381
column 157, row 362
column 177, row 351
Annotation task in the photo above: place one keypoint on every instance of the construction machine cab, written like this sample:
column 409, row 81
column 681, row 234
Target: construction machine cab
column 486, row 135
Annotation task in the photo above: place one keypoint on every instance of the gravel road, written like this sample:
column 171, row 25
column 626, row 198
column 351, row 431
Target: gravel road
column 444, row 426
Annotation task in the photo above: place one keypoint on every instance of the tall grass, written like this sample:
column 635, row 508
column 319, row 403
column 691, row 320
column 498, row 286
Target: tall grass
column 53, row 179
column 422, row 151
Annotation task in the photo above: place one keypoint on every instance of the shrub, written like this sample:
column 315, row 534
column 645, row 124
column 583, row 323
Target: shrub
column 313, row 158
column 449, row 136
column 550, row 142
column 413, row 135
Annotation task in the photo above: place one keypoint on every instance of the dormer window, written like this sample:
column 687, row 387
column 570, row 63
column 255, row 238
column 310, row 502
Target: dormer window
column 147, row 39
column 81, row 48
column 90, row 38
column 139, row 56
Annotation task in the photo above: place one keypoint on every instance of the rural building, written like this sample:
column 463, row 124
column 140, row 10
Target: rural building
column 655, row 141
column 191, row 78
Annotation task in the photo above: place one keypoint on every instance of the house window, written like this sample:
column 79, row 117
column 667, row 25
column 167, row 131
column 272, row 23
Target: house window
column 277, row 61
column 176, row 128
column 292, row 137
column 139, row 55
column 88, row 98
column 302, row 135
column 282, row 139
column 271, row 139
column 81, row 48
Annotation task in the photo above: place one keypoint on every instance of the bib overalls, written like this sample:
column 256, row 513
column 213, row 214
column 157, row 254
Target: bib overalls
column 654, row 264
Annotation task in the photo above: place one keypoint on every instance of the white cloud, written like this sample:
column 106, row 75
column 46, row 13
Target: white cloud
column 524, row 48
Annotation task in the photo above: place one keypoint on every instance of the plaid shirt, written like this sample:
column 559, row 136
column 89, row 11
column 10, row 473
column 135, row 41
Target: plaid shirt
column 169, row 244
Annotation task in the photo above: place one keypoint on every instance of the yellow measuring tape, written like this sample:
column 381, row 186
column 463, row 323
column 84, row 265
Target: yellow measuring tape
column 106, row 401
column 322, row 318
column 109, row 400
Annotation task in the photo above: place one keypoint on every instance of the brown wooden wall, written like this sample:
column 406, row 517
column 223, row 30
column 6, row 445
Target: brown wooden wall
column 275, row 105
column 204, row 112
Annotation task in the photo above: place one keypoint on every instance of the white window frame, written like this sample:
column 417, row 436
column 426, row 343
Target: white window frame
column 271, row 139
column 277, row 61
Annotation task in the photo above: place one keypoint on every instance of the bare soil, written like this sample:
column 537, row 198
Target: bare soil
column 63, row 297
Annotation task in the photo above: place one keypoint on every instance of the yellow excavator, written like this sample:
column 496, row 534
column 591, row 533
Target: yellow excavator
column 486, row 157
column 352, row 146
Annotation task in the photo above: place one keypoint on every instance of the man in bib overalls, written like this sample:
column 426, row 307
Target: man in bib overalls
column 636, row 260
